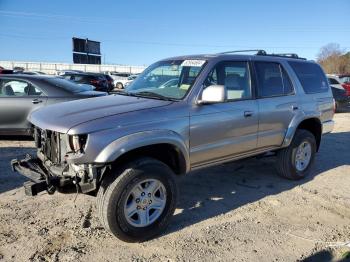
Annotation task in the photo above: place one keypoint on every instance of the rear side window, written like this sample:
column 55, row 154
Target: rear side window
column 310, row 76
column 272, row 80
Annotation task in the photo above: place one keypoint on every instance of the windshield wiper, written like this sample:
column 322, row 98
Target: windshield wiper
column 122, row 92
column 149, row 94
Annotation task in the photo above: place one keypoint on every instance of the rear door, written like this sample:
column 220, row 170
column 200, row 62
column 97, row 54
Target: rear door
column 277, row 101
column 18, row 98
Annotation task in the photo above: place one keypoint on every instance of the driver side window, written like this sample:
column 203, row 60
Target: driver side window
column 235, row 76
column 18, row 88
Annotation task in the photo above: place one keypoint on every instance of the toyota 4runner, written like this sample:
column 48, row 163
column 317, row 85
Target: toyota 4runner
column 180, row 114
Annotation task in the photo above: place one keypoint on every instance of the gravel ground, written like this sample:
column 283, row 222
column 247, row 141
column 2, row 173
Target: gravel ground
column 233, row 212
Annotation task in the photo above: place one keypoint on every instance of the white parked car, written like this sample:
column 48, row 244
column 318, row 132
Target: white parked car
column 130, row 80
column 119, row 79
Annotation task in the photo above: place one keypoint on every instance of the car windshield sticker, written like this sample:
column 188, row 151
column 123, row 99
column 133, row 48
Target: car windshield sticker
column 194, row 63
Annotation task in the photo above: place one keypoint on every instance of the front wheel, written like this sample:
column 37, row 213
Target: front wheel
column 137, row 203
column 295, row 161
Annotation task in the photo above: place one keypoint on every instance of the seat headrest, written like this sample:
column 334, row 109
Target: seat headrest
column 232, row 81
column 30, row 90
column 7, row 90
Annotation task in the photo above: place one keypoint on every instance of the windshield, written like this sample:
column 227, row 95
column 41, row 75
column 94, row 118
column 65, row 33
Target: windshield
column 68, row 85
column 167, row 79
column 345, row 79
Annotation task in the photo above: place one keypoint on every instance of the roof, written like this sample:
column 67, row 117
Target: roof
column 22, row 76
column 240, row 55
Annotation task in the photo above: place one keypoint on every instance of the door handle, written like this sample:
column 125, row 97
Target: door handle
column 248, row 113
column 36, row 101
column 294, row 107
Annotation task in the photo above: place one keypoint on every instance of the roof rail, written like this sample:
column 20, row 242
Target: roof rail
column 258, row 51
column 264, row 53
column 291, row 55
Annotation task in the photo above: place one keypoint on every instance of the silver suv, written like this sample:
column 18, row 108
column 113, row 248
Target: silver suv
column 180, row 114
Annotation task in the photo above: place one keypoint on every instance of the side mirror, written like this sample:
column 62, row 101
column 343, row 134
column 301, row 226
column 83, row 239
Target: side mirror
column 213, row 94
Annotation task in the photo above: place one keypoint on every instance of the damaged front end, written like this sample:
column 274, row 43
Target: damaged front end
column 51, row 169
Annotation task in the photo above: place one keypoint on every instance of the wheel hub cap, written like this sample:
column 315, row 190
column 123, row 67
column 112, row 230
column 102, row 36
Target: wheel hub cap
column 303, row 156
column 145, row 203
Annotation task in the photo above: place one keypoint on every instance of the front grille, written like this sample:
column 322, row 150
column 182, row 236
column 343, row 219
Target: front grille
column 48, row 142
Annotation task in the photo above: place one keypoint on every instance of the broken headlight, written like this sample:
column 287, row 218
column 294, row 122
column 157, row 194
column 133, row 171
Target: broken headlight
column 77, row 142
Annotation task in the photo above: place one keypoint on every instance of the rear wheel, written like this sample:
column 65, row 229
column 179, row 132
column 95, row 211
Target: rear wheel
column 136, row 203
column 294, row 162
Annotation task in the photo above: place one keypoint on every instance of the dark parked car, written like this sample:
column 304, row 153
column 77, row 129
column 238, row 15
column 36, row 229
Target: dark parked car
column 342, row 101
column 5, row 71
column 110, row 81
column 97, row 80
column 22, row 94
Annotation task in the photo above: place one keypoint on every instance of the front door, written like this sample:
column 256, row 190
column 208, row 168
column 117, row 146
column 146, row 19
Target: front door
column 223, row 130
column 17, row 99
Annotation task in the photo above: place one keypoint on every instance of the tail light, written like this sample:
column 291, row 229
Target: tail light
column 96, row 82
column 347, row 88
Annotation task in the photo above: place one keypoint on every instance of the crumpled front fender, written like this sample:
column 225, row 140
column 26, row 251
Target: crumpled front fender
column 133, row 141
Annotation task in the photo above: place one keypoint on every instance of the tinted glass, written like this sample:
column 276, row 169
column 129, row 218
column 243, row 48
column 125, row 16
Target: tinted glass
column 287, row 84
column 333, row 81
column 65, row 84
column 234, row 76
column 310, row 76
column 273, row 80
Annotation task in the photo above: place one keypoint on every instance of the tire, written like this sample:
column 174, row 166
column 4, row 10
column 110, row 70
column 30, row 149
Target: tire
column 288, row 165
column 119, row 85
column 117, row 190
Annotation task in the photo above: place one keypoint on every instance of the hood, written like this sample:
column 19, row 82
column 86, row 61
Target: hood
column 91, row 93
column 63, row 116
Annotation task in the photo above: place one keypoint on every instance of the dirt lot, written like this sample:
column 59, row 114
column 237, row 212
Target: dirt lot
column 230, row 212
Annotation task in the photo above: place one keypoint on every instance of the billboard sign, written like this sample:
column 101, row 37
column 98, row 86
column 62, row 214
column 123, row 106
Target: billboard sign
column 86, row 51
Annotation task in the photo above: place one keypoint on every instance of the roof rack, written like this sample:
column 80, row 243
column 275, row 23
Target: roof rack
column 290, row 55
column 258, row 51
column 264, row 53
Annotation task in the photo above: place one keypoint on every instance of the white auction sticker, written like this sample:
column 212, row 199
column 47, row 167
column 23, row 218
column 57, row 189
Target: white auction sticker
column 195, row 63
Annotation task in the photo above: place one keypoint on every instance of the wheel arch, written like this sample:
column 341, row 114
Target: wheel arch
column 311, row 124
column 165, row 146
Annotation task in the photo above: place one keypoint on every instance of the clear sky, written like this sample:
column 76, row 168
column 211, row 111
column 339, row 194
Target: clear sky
column 141, row 32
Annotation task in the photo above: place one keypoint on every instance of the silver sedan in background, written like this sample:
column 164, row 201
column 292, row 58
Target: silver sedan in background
column 22, row 94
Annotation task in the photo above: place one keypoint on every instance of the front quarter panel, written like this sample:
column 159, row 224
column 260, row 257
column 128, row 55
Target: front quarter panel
column 122, row 133
column 137, row 140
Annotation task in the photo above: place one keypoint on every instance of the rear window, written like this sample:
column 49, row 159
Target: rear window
column 310, row 76
column 333, row 81
column 66, row 85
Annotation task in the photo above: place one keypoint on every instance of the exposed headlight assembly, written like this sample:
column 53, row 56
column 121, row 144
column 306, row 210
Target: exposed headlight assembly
column 77, row 142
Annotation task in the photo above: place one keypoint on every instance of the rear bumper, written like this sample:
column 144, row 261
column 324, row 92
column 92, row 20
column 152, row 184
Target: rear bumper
column 327, row 126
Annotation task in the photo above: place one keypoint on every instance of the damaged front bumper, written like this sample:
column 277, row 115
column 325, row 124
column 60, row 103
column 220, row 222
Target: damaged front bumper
column 32, row 168
column 82, row 178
